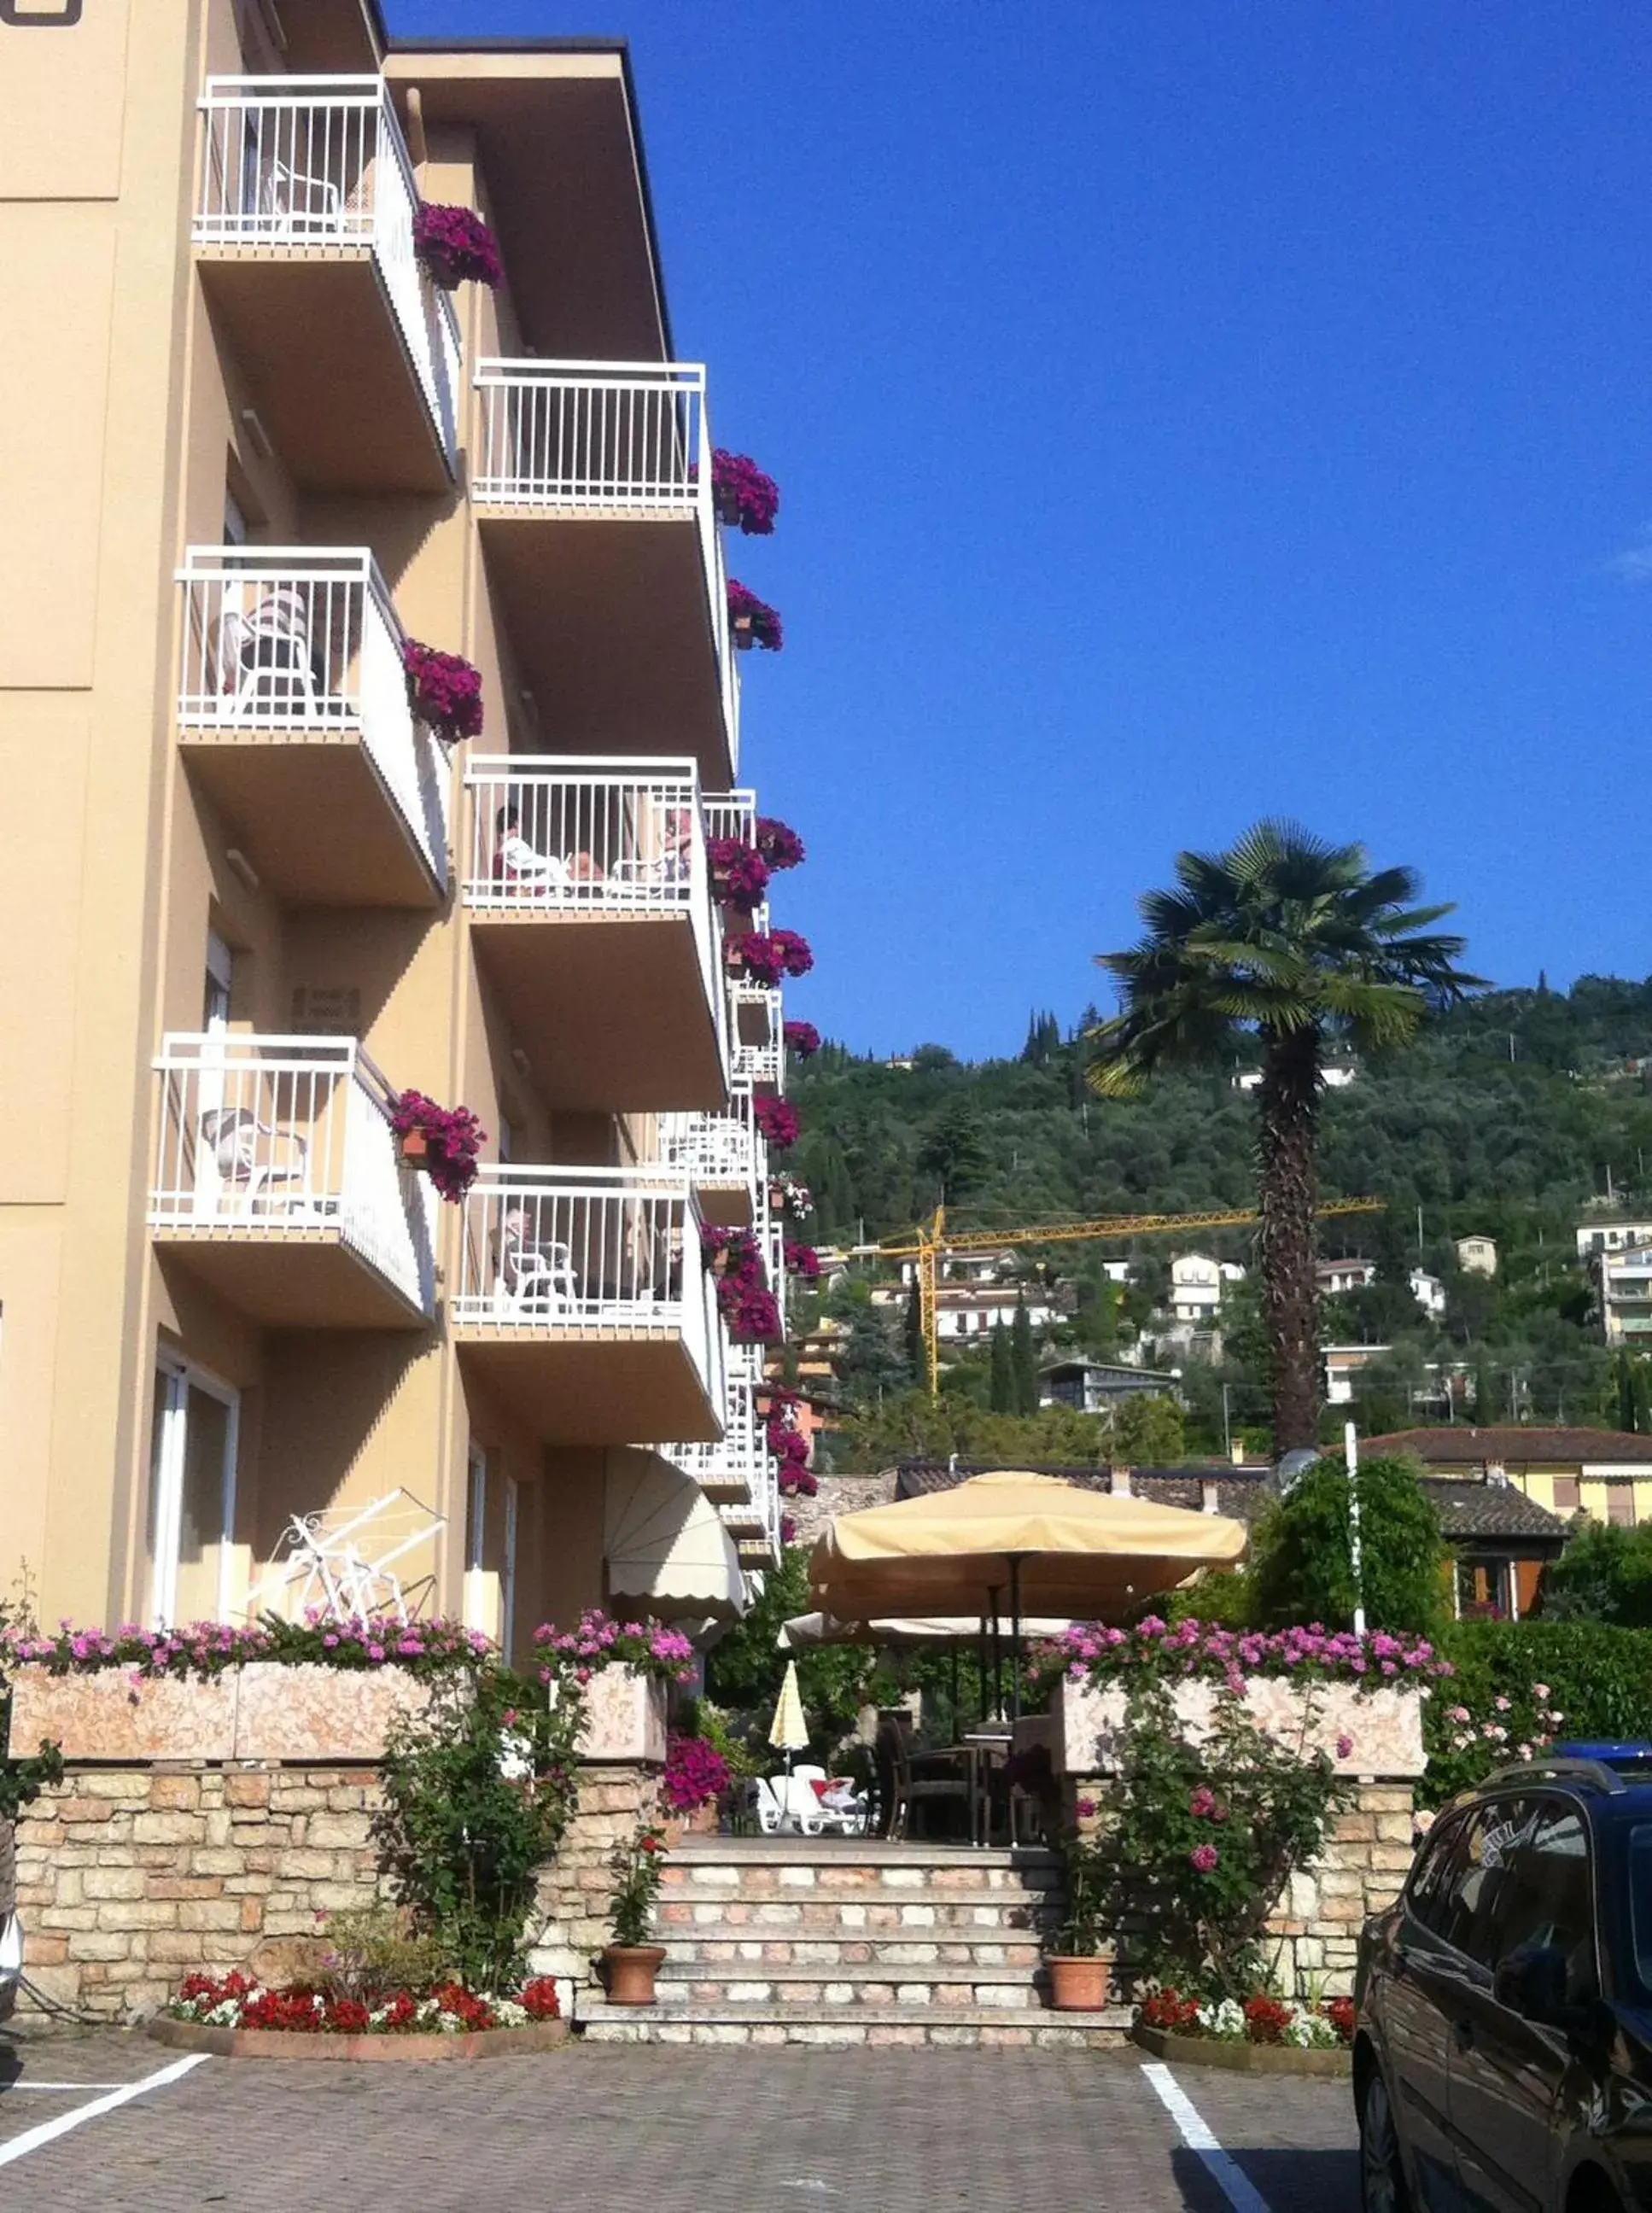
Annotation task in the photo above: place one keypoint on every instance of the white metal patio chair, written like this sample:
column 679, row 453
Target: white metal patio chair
column 301, row 206
column 267, row 656
column 242, row 1149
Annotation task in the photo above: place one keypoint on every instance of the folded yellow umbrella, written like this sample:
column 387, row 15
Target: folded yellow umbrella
column 1039, row 1544
column 788, row 1730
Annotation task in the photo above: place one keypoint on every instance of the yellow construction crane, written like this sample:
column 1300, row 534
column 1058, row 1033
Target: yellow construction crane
column 932, row 1239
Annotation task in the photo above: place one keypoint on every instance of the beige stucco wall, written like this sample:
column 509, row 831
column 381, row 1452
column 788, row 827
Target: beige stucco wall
column 123, row 423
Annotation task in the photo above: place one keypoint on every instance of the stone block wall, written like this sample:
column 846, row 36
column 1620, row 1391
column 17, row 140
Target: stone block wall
column 128, row 1877
column 572, row 1906
column 1317, row 1922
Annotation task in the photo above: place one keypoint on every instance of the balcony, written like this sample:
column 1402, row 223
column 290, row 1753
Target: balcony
column 755, row 1014
column 731, row 814
column 725, row 1160
column 277, row 1183
column 754, row 1522
column 585, row 882
column 593, row 496
column 293, row 715
column 732, row 1473
column 303, row 233
column 584, row 1301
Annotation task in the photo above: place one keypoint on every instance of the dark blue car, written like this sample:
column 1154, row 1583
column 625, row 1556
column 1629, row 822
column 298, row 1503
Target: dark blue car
column 1503, row 2056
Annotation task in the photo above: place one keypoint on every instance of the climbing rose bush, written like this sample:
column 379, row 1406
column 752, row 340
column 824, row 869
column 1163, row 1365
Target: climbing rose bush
column 454, row 245
column 444, row 689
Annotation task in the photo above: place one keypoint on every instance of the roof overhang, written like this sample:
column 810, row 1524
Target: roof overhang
column 561, row 148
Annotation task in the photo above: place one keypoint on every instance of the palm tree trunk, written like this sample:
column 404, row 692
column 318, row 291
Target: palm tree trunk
column 1286, row 1143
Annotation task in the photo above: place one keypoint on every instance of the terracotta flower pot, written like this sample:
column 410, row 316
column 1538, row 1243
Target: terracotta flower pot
column 414, row 1149
column 744, row 639
column 1079, row 1985
column 632, row 1969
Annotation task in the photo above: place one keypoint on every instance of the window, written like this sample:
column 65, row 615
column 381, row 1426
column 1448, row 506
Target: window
column 1639, row 1874
column 1620, row 1505
column 1568, row 1494
column 1482, row 1588
column 1434, row 1867
column 191, row 1503
column 1459, row 1900
column 1546, row 1897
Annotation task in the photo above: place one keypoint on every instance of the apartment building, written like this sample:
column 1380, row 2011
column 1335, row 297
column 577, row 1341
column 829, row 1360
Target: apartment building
column 252, row 899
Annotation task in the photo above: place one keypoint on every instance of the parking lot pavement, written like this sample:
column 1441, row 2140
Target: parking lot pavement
column 663, row 2130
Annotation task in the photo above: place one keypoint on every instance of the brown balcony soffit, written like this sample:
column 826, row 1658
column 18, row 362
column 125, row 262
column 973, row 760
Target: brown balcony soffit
column 290, row 1279
column 626, row 1386
column 562, row 151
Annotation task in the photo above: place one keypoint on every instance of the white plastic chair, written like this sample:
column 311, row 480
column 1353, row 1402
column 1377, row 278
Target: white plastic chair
column 265, row 655
column 233, row 1133
column 770, row 1813
column 304, row 207
column 534, row 1279
column 838, row 1820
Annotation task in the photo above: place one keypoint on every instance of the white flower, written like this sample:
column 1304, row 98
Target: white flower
column 509, row 2014
column 449, row 2023
column 1226, row 2019
column 1309, row 2032
column 224, row 2014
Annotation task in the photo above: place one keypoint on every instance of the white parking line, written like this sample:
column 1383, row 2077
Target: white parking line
column 10, row 2089
column 1224, row 2170
column 32, row 2139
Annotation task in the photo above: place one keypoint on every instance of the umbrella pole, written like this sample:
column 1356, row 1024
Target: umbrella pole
column 957, row 1718
column 1014, row 1636
column 998, row 1656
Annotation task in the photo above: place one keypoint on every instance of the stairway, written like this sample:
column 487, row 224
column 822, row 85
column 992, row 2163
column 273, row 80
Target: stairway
column 834, row 1940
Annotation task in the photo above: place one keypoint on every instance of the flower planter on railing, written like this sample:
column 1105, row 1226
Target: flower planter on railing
column 454, row 246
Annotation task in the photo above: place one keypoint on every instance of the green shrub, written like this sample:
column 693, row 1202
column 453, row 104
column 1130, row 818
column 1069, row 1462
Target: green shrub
column 1604, row 1575
column 1597, row 1681
column 1302, row 1567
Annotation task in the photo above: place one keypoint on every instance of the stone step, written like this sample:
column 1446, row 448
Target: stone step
column 805, row 1917
column 731, row 2022
column 825, row 1989
column 853, row 1851
column 853, row 1953
column 791, row 1881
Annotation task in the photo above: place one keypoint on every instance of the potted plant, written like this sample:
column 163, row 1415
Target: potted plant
column 695, row 1777
column 777, row 1123
column 444, row 1141
column 741, row 495
column 740, row 874
column 454, row 245
column 752, row 620
column 778, row 843
column 443, row 690
column 637, row 1864
column 1079, row 1969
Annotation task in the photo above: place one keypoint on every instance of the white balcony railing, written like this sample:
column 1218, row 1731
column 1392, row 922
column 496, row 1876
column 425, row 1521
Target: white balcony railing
column 756, row 1009
column 288, row 641
column 589, row 1251
column 613, row 438
column 759, row 1067
column 735, row 1470
column 719, row 1151
column 257, row 1137
column 319, row 163
column 731, row 814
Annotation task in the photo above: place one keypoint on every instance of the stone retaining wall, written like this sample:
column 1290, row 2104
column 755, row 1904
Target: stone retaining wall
column 572, row 1904
column 129, row 1877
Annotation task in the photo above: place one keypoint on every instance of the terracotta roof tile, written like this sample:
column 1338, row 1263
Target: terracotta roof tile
column 1517, row 1444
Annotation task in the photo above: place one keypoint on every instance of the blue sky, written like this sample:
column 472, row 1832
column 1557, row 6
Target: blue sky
column 1182, row 413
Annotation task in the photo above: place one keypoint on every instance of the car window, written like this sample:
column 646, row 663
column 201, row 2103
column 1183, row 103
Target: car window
column 1463, row 1913
column 1640, row 1898
column 1546, row 1894
column 1435, row 1871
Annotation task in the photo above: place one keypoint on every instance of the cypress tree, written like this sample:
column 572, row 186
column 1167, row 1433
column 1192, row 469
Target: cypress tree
column 1001, row 1387
column 1023, row 1361
column 913, row 1333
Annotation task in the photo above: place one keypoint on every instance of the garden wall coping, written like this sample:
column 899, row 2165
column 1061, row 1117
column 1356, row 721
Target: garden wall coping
column 1385, row 1726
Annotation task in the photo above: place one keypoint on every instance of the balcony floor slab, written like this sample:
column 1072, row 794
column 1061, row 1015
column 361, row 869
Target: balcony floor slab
column 582, row 1388
column 629, row 665
column 290, row 1279
column 312, row 330
column 313, row 816
column 611, row 1008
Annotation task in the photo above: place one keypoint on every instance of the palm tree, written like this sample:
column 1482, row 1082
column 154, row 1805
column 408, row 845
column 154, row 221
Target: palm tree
column 1291, row 945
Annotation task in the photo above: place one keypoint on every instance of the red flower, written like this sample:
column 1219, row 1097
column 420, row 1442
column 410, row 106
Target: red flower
column 455, row 244
column 779, row 845
column 743, row 494
column 759, row 619
column 444, row 690
column 540, row 1998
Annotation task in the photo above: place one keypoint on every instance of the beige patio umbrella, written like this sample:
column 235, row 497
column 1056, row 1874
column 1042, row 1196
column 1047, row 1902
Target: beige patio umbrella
column 804, row 1632
column 788, row 1730
column 1052, row 1546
